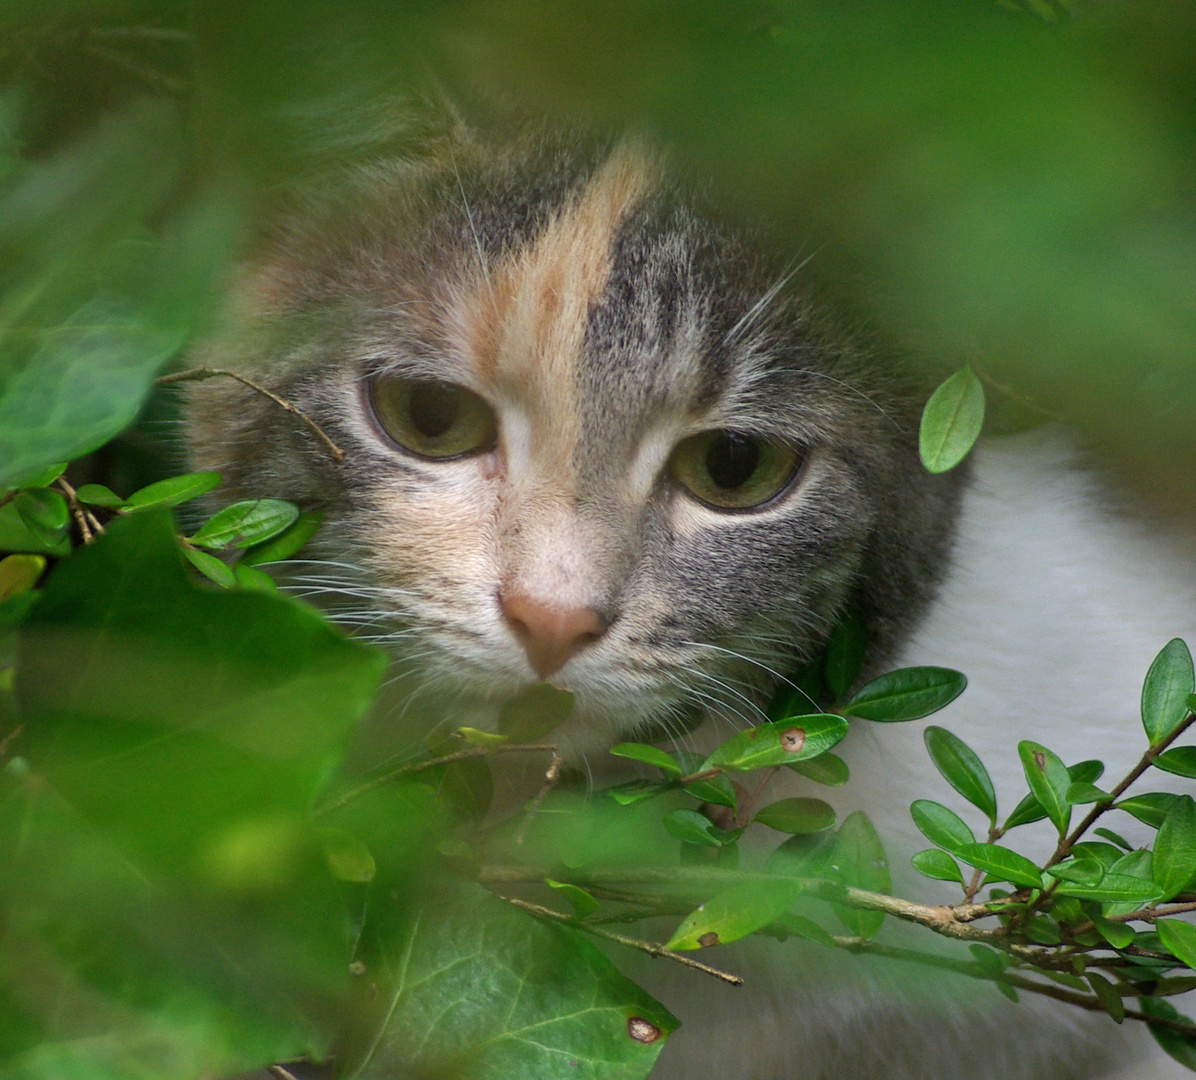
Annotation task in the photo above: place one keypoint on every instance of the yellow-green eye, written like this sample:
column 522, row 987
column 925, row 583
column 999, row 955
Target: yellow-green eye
column 433, row 419
column 732, row 471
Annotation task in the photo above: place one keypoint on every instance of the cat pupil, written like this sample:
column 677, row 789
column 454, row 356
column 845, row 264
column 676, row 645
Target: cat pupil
column 732, row 459
column 434, row 408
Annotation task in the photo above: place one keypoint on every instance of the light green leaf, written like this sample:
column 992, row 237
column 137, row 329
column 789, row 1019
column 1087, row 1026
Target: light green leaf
column 1049, row 780
column 940, row 825
column 937, row 864
column 253, row 579
column 649, row 755
column 907, row 694
column 1082, row 793
column 211, row 567
column 174, row 491
column 582, row 902
column 98, row 495
column 779, row 743
column 1164, row 693
column 962, row 769
column 19, row 573
column 734, row 913
column 246, row 523
column 1081, row 870
column 635, row 791
column 951, row 421
column 797, row 816
column 1179, row 939
column 694, row 828
column 827, row 769
column 477, row 737
column 861, row 861
column 1178, row 760
column 1118, row 934
column 1175, row 848
column 287, row 543
column 1001, row 864
column 348, row 856
column 1116, row 838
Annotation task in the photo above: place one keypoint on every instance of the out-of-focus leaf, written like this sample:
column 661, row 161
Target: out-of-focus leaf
column 1049, row 780
column 804, row 855
column 1108, row 995
column 937, row 864
column 951, row 421
column 45, row 513
column 907, row 694
column 1164, row 693
column 287, row 543
column 962, row 769
column 174, row 491
column 15, row 535
column 1030, row 810
column 99, row 495
column 1178, row 760
column 19, row 573
column 649, row 755
column 635, row 791
column 695, row 828
column 1001, row 864
column 465, row 985
column 348, row 856
column 1175, row 848
column 582, row 902
column 844, row 657
column 827, row 769
column 211, row 567
column 861, row 861
column 940, row 825
column 797, row 816
column 779, row 743
column 253, row 579
column 734, row 913
column 245, row 523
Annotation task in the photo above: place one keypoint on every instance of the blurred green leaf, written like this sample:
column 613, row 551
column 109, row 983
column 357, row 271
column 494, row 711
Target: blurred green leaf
column 907, row 694
column 253, row 579
column 211, row 567
column 962, row 769
column 635, row 791
column 734, row 913
column 245, row 523
column 779, row 743
column 1175, row 848
column 174, row 491
column 827, row 769
column 99, row 495
column 797, row 816
column 844, row 657
column 15, row 535
column 951, row 421
column 19, row 573
column 348, row 856
column 804, row 855
column 937, row 864
column 939, row 825
column 1164, row 693
column 1178, row 760
column 861, row 861
column 1049, row 781
column 649, row 755
column 45, row 513
column 694, row 828
column 1001, row 864
column 582, row 902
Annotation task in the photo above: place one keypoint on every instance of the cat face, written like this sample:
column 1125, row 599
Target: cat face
column 590, row 438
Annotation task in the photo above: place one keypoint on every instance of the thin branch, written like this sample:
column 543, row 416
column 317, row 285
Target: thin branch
column 89, row 524
column 550, row 778
column 651, row 948
column 200, row 373
column 747, row 806
column 281, row 1073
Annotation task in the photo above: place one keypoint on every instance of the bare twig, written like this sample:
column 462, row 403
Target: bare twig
column 201, row 373
column 550, row 779
column 747, row 806
column 280, row 1072
column 649, row 947
column 89, row 524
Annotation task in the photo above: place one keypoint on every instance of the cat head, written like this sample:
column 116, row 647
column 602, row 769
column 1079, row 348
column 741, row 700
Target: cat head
column 590, row 436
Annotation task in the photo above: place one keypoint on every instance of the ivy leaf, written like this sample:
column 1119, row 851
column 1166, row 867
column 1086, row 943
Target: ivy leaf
column 245, row 523
column 951, row 421
column 734, row 913
column 1175, row 848
column 694, row 828
column 827, row 769
column 465, row 985
column 174, row 491
column 938, row 865
column 779, row 743
column 940, row 825
column 1049, row 780
column 845, row 649
column 962, row 769
column 582, row 902
column 907, row 694
column 1164, row 693
column 1001, row 864
column 861, row 862
column 797, row 816
column 649, row 755
column 1178, row 760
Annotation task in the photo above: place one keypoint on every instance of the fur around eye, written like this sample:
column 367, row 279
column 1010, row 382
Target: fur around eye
column 729, row 470
column 433, row 419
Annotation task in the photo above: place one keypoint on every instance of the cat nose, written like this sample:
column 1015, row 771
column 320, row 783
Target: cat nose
column 551, row 635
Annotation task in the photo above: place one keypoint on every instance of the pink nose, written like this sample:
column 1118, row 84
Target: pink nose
column 551, row 635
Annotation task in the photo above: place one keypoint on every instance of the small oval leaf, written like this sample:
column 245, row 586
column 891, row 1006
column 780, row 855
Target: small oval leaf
column 797, row 816
column 962, row 769
column 938, row 865
column 1175, row 848
column 1049, row 780
column 246, row 523
column 174, row 491
column 734, row 913
column 211, row 567
column 907, row 694
column 940, row 825
column 1001, row 864
column 779, row 743
column 1164, row 693
column 951, row 421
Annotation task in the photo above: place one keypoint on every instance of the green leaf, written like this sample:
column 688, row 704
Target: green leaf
column 990, row 961
column 1117, row 839
column 1179, row 760
column 1083, row 793
column 42, row 478
column 861, row 861
column 1175, row 848
column 1084, row 871
column 939, row 825
column 951, row 421
column 477, row 737
column 907, row 694
column 19, row 573
column 649, row 755
column 44, row 512
column 211, row 567
column 1030, row 810
column 174, row 491
column 1107, row 994
column 734, row 913
column 348, row 856
column 1179, row 938
column 246, row 523
column 779, row 743
column 254, row 580
column 1113, row 888
column 1117, row 934
column 1001, row 864
column 1049, row 780
column 694, row 828
column 98, row 495
column 287, row 543
column 827, row 769
column 797, row 816
column 1164, row 693
column 1150, row 808
column 465, row 985
column 15, row 535
column 1040, row 929
column 845, row 649
column 582, row 902
column 790, row 925
column 804, row 855
column 962, row 769
column 1180, row 1046
column 937, row 864
column 634, row 791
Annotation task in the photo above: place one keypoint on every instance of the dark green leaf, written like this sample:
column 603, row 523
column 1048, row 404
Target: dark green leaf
column 990, row 961
column 734, row 913
column 1150, row 807
column 1117, row 934
column 797, row 816
column 844, row 655
column 249, row 577
column 98, row 495
column 695, row 828
column 1179, row 760
column 1164, row 693
column 940, row 826
column 1179, row 939
column 649, row 755
column 951, row 421
column 635, row 791
column 937, row 864
column 287, row 543
column 582, row 902
column 717, row 790
column 1048, row 780
column 42, row 478
column 467, row 986
column 1108, row 995
column 827, row 769
column 211, row 567
column 1081, row 870
column 962, row 769
column 907, row 694
column 1175, row 848
column 1180, row 1046
column 1082, row 793
column 1001, row 864
column 861, row 862
column 44, row 512
column 803, row 855
column 1117, row 839
column 246, row 523
column 1113, row 888
column 174, row 491
column 779, row 743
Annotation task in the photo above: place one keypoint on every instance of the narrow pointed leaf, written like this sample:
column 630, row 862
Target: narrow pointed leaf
column 951, row 421
column 649, row 755
column 1049, row 780
column 211, row 567
column 174, row 491
column 1001, row 864
column 246, row 523
column 1164, row 693
column 695, row 828
column 962, row 769
column 1108, row 995
column 907, row 694
column 287, row 543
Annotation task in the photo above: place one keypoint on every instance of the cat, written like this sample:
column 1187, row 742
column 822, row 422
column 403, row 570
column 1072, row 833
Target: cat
column 593, row 437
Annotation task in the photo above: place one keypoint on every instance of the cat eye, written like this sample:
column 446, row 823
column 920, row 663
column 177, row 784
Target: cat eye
column 732, row 471
column 433, row 419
